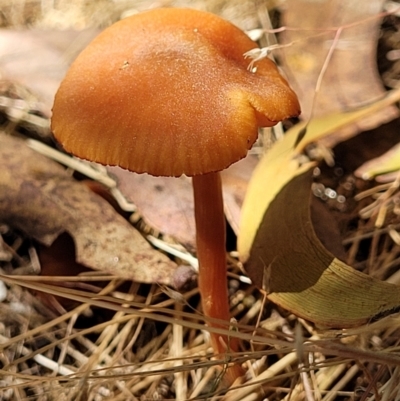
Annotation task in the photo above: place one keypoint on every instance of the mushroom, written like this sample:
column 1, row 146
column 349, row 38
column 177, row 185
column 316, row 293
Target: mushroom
column 168, row 92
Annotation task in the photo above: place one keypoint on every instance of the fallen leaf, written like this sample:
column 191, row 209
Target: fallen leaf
column 291, row 265
column 280, row 164
column 279, row 246
column 40, row 199
column 351, row 78
column 165, row 203
column 234, row 185
column 38, row 59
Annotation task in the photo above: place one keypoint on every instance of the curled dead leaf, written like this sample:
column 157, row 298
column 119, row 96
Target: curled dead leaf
column 281, row 250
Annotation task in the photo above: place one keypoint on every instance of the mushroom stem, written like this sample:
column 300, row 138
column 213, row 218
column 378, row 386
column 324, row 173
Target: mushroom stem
column 211, row 253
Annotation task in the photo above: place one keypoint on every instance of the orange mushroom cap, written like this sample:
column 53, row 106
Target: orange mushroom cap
column 168, row 92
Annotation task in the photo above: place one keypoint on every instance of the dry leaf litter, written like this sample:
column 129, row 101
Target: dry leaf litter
column 109, row 338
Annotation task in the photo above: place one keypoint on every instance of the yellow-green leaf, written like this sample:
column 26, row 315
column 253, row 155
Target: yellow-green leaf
column 280, row 249
column 281, row 163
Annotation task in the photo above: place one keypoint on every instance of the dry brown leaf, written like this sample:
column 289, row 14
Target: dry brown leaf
column 165, row 203
column 351, row 79
column 39, row 198
column 234, row 184
column 39, row 59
